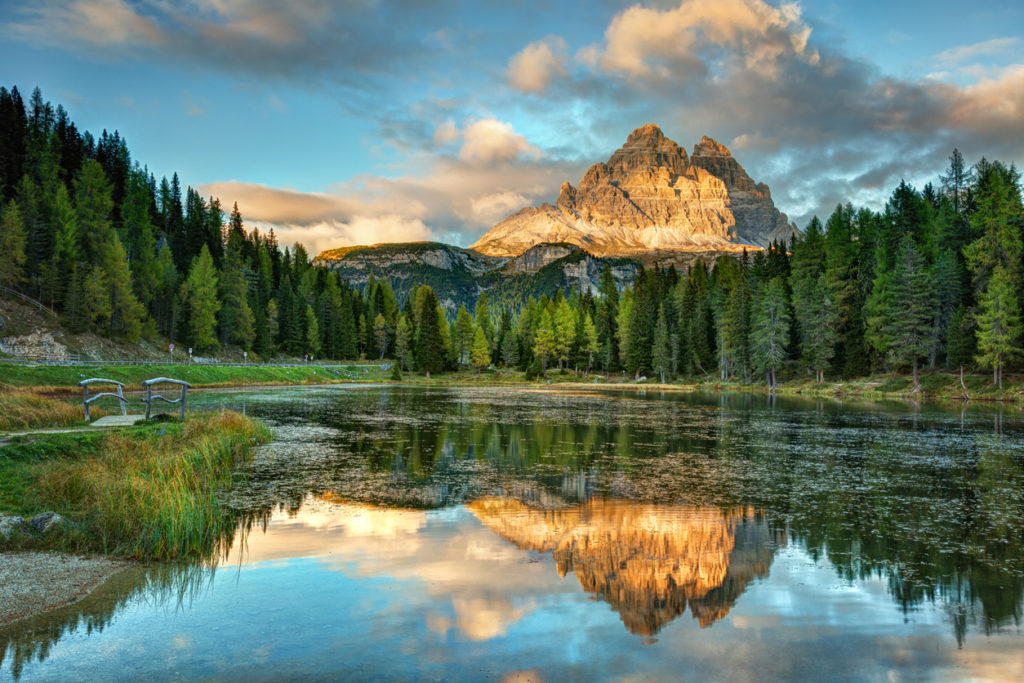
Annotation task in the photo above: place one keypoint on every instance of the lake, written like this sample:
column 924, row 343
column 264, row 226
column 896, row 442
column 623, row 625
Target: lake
column 533, row 535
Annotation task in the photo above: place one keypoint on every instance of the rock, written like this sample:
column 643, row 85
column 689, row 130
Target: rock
column 648, row 196
column 47, row 522
column 11, row 525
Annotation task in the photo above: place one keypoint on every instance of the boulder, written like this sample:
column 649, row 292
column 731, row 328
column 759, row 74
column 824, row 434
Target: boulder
column 11, row 525
column 47, row 522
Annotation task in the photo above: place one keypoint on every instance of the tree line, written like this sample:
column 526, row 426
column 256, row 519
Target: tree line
column 933, row 280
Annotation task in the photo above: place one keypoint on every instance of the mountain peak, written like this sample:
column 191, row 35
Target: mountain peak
column 647, row 135
column 708, row 147
column 650, row 196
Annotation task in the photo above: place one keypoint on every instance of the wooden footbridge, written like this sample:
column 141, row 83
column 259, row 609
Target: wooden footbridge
column 118, row 392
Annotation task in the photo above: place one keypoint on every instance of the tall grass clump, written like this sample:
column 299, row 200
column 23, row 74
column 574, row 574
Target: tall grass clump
column 152, row 494
column 24, row 409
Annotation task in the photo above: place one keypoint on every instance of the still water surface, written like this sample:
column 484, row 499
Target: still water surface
column 466, row 534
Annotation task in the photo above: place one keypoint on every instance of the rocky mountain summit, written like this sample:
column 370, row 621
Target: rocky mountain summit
column 650, row 195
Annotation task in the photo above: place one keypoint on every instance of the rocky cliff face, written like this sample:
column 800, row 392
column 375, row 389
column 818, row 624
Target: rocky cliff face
column 650, row 195
column 460, row 275
column 647, row 561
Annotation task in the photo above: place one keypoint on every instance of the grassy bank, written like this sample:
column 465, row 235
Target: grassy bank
column 66, row 377
column 147, row 492
column 22, row 408
column 934, row 385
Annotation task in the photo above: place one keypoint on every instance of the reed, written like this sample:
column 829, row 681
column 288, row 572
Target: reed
column 26, row 409
column 150, row 493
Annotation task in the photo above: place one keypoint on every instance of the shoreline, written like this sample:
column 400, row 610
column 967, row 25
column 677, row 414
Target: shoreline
column 32, row 583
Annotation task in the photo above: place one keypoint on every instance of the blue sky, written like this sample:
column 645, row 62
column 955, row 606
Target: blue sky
column 363, row 121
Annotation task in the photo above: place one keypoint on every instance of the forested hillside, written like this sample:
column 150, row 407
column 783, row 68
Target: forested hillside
column 91, row 233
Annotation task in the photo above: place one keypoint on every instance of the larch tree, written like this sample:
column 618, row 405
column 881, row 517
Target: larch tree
column 544, row 346
column 12, row 247
column 999, row 324
column 480, row 355
column 591, row 345
column 201, row 294
column 382, row 334
column 403, row 341
column 463, row 337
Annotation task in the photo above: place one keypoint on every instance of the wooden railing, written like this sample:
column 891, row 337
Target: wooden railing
column 150, row 397
column 86, row 399
column 29, row 300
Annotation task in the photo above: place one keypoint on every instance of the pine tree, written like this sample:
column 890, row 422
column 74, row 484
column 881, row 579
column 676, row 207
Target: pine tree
column 482, row 318
column 273, row 328
column 607, row 317
column 201, row 295
column 961, row 343
column 76, row 317
column 312, row 337
column 12, row 247
column 809, row 299
column 661, row 356
column 908, row 321
column 735, row 329
column 237, row 322
column 480, row 355
column 510, row 349
column 463, row 337
column 999, row 324
column 819, row 346
column 947, row 276
column 770, row 330
column 430, row 347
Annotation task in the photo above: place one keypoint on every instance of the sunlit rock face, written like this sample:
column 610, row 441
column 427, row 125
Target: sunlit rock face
column 650, row 196
column 647, row 561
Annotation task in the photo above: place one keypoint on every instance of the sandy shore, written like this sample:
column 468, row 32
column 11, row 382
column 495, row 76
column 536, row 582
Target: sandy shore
column 31, row 583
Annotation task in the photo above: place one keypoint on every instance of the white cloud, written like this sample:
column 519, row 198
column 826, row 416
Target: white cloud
column 963, row 53
column 533, row 67
column 490, row 140
column 446, row 133
column 492, row 208
column 648, row 43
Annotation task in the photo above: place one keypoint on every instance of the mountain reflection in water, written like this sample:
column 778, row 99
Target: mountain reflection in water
column 647, row 561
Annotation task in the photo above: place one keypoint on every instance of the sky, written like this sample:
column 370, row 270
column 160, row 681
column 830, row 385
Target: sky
column 342, row 122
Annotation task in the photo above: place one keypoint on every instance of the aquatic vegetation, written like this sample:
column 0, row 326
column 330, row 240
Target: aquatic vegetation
column 151, row 492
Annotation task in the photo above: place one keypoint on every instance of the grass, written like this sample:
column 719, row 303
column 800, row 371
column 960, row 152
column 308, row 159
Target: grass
column 148, row 492
column 27, row 409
